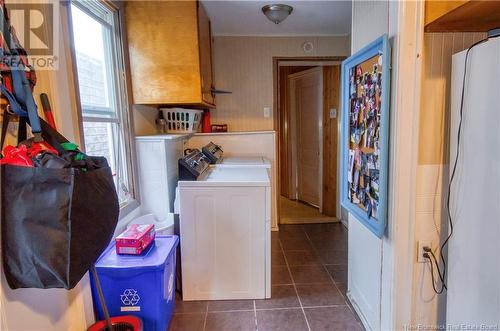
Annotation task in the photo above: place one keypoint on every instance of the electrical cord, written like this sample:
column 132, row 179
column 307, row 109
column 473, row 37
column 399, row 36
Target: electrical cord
column 455, row 163
column 441, row 276
column 430, row 254
column 426, row 255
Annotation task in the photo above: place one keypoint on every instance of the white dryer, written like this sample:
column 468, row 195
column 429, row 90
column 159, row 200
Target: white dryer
column 225, row 226
column 215, row 155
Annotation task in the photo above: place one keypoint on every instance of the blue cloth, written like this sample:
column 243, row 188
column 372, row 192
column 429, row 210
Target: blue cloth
column 21, row 100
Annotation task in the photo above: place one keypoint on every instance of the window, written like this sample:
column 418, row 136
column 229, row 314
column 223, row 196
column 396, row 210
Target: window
column 101, row 83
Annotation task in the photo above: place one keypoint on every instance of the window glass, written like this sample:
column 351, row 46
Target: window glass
column 99, row 63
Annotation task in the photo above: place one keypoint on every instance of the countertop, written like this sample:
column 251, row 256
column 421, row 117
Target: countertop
column 166, row 136
column 170, row 136
column 232, row 133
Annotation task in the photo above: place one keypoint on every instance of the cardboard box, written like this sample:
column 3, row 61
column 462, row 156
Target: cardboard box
column 135, row 239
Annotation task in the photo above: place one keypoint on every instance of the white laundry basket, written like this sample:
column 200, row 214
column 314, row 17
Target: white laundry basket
column 180, row 120
column 165, row 227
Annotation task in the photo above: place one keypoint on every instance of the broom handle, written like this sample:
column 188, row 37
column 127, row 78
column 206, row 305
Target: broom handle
column 47, row 110
column 101, row 299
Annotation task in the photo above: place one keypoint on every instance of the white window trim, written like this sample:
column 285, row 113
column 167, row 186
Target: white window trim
column 125, row 113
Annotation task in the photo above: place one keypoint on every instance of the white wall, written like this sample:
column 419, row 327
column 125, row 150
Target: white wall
column 380, row 269
column 244, row 65
column 370, row 19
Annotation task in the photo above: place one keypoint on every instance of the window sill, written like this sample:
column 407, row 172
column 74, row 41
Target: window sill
column 127, row 213
column 128, row 208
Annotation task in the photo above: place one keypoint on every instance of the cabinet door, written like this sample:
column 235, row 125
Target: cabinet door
column 205, row 44
column 163, row 51
column 223, row 231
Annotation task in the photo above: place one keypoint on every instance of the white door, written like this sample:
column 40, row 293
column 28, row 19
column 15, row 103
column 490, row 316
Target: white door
column 307, row 92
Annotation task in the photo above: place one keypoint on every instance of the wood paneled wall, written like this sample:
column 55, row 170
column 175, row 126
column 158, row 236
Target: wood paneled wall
column 435, row 102
column 331, row 92
column 244, row 65
column 433, row 159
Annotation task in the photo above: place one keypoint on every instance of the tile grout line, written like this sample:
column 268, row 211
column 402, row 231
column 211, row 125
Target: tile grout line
column 335, row 284
column 298, row 307
column 206, row 317
column 231, row 311
column 255, row 316
column 333, row 281
column 255, row 310
column 326, row 270
column 294, row 285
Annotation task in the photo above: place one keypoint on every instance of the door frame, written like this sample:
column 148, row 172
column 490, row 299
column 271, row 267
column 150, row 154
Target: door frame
column 291, row 82
column 280, row 116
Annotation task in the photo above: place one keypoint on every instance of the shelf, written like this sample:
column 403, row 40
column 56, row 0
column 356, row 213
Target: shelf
column 461, row 16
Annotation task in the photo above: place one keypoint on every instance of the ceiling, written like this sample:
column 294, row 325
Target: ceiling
column 309, row 18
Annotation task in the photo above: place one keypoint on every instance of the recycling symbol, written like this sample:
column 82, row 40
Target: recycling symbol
column 130, row 297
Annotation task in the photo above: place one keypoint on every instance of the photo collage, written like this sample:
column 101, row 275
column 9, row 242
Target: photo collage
column 365, row 95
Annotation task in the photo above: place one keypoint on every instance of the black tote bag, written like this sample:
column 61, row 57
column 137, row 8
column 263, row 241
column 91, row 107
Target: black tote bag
column 55, row 222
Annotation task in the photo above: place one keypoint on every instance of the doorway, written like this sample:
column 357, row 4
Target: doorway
column 307, row 106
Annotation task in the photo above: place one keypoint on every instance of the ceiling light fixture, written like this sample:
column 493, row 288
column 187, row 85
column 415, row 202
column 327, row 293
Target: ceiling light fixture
column 277, row 13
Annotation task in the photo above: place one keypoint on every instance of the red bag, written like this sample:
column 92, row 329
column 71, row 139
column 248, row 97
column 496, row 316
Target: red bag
column 16, row 156
column 22, row 155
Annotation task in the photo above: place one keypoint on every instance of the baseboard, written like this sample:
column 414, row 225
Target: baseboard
column 308, row 220
column 362, row 317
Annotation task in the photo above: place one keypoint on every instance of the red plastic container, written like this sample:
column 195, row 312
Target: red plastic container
column 205, row 124
column 119, row 323
column 135, row 239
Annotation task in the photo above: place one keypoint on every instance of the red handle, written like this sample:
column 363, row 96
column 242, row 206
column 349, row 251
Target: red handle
column 47, row 110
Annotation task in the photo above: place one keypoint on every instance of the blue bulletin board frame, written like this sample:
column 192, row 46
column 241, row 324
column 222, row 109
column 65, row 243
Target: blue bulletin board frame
column 381, row 47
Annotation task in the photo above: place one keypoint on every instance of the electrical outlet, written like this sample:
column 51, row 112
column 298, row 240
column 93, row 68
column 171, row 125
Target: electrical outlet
column 420, row 250
column 333, row 113
column 267, row 112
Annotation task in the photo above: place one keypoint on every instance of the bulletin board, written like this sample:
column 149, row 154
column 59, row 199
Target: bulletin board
column 365, row 100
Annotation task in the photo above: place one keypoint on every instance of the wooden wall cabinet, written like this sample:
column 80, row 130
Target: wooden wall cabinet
column 170, row 50
column 461, row 15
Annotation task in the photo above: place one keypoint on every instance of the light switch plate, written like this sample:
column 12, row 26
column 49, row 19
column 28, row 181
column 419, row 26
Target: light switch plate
column 333, row 113
column 267, row 112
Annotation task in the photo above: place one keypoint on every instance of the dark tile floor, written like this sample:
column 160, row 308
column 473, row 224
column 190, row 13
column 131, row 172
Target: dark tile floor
column 309, row 277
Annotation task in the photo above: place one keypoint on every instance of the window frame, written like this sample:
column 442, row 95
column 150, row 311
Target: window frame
column 121, row 93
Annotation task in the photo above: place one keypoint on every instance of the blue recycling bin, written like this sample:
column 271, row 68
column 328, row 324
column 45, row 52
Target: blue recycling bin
column 142, row 285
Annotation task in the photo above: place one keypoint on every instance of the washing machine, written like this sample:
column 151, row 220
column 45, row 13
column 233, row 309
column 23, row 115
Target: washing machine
column 225, row 227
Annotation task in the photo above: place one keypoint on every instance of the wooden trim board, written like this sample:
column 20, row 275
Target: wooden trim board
column 330, row 129
column 331, row 88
